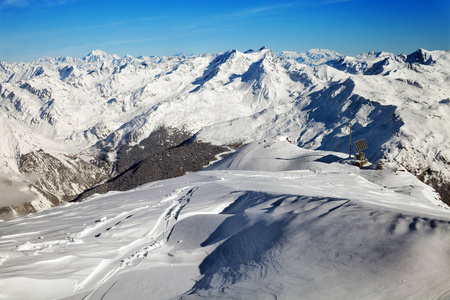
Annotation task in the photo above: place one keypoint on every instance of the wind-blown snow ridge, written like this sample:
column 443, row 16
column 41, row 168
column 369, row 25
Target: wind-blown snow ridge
column 244, row 228
column 79, row 110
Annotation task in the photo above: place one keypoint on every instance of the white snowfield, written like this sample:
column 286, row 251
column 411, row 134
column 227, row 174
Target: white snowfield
column 271, row 221
column 64, row 106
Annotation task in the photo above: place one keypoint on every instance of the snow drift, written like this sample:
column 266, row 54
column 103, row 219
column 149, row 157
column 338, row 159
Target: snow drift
column 271, row 221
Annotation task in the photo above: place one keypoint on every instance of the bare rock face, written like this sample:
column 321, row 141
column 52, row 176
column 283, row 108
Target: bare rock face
column 52, row 181
column 166, row 153
column 23, row 209
column 60, row 180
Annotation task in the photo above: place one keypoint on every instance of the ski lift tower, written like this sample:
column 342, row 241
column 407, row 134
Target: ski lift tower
column 350, row 137
column 350, row 140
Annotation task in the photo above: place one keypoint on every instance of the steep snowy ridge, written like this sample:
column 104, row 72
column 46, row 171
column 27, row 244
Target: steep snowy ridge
column 80, row 111
column 415, row 86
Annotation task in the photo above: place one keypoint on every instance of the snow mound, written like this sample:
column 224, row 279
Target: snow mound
column 244, row 228
column 275, row 154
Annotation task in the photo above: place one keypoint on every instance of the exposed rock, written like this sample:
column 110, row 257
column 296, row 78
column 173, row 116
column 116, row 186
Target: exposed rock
column 60, row 180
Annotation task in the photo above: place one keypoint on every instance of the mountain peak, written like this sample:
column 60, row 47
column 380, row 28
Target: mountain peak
column 98, row 52
column 313, row 56
column 99, row 55
column 420, row 56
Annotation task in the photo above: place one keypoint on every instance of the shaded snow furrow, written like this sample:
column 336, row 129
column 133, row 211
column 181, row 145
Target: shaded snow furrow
column 132, row 255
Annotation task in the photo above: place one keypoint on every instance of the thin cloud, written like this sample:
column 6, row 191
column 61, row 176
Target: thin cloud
column 332, row 2
column 34, row 3
column 279, row 7
column 121, row 42
column 15, row 192
column 258, row 10
column 15, row 3
column 62, row 30
column 123, row 22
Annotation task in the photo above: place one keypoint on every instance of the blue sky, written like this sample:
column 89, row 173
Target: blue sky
column 30, row 29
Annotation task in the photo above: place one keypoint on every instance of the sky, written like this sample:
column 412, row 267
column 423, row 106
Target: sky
column 31, row 29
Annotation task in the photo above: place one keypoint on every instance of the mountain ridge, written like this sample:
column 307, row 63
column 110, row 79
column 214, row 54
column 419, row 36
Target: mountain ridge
column 80, row 111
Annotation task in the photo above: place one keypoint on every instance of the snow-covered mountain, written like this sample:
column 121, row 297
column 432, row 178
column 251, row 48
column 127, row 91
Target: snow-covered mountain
column 67, row 122
column 270, row 221
column 313, row 57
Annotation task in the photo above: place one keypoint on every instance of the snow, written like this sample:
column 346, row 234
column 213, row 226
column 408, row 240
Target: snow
column 271, row 220
column 313, row 56
column 67, row 106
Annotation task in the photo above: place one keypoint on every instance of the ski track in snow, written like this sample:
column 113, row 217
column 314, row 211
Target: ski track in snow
column 273, row 229
column 129, row 255
column 134, row 253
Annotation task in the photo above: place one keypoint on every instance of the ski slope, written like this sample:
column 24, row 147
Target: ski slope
column 270, row 221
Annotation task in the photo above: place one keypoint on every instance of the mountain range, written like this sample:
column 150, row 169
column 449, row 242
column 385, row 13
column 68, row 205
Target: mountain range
column 225, row 176
column 102, row 122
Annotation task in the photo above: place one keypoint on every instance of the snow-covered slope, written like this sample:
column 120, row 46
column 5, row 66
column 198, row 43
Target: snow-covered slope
column 271, row 221
column 313, row 57
column 62, row 115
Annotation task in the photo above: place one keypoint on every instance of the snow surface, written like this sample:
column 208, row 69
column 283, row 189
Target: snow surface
column 67, row 106
column 313, row 57
column 270, row 221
